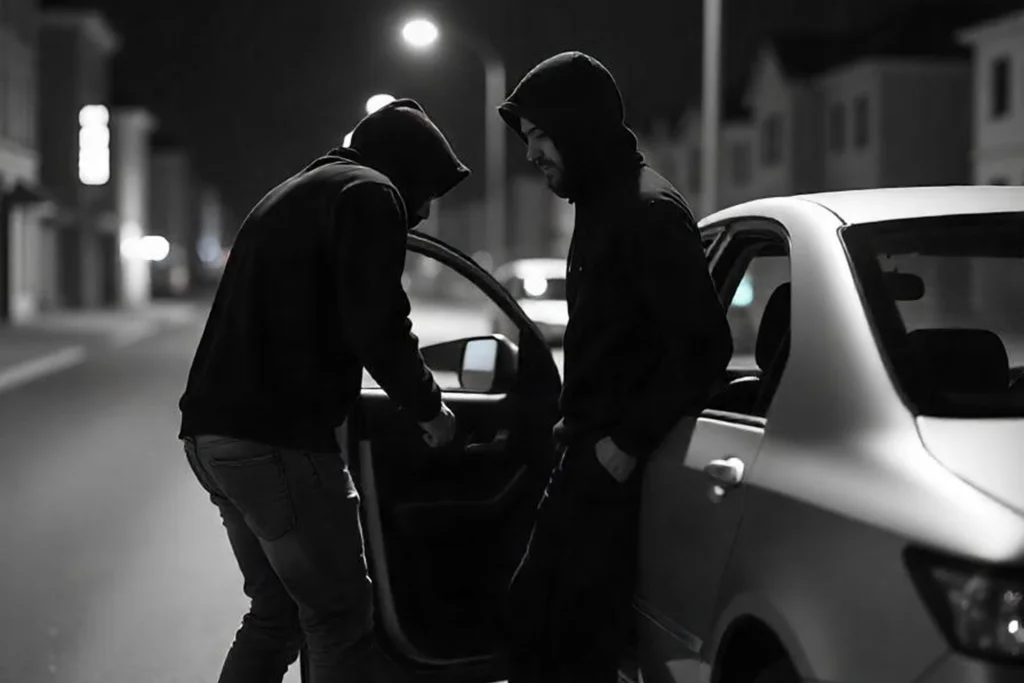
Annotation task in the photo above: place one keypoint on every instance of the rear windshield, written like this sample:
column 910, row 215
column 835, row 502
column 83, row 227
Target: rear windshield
column 946, row 297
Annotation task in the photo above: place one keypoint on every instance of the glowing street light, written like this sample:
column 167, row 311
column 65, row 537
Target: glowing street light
column 94, row 145
column 147, row 248
column 378, row 101
column 420, row 33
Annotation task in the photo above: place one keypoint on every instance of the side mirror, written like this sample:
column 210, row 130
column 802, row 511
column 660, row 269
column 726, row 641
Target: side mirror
column 479, row 366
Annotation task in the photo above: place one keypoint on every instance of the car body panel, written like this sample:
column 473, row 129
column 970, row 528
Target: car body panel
column 997, row 467
column 686, row 531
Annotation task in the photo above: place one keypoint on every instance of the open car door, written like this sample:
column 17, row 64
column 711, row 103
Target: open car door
column 445, row 529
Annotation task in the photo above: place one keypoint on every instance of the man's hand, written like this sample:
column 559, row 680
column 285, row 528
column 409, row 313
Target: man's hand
column 441, row 430
column 619, row 463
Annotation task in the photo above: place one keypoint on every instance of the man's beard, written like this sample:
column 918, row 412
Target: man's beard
column 555, row 179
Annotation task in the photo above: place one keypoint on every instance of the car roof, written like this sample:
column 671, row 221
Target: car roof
column 550, row 268
column 884, row 204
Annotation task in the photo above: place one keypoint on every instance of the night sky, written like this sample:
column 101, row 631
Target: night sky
column 257, row 89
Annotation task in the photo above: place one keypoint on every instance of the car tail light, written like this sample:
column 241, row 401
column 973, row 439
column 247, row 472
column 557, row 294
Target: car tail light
column 979, row 609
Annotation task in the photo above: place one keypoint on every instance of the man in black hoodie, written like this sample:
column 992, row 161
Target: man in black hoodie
column 647, row 340
column 312, row 293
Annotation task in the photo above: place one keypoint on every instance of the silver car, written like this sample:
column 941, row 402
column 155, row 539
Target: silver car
column 854, row 510
column 850, row 508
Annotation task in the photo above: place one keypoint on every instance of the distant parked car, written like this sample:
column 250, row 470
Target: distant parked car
column 538, row 286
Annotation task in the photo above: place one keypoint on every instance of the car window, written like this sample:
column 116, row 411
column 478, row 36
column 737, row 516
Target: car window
column 445, row 306
column 751, row 274
column 945, row 295
column 762, row 275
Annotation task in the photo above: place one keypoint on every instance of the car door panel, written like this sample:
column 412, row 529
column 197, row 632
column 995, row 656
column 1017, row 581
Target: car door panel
column 426, row 490
column 446, row 528
column 693, row 503
column 688, row 519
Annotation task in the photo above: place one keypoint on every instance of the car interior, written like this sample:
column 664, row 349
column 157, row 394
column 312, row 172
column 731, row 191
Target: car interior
column 746, row 392
column 742, row 394
column 948, row 363
column 951, row 360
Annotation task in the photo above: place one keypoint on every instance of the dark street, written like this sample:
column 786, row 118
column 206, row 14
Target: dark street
column 114, row 569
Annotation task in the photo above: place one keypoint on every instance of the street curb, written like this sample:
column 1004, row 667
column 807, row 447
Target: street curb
column 37, row 368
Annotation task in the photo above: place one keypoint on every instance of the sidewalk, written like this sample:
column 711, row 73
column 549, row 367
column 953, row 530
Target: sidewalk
column 58, row 340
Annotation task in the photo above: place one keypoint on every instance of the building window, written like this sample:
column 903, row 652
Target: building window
column 837, row 127
column 771, row 140
column 861, row 122
column 5, row 96
column 694, row 170
column 741, row 163
column 1000, row 87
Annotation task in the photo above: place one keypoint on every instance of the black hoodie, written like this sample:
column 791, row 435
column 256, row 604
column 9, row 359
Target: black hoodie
column 647, row 337
column 312, row 292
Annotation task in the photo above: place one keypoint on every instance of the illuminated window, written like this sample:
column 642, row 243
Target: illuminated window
column 94, row 145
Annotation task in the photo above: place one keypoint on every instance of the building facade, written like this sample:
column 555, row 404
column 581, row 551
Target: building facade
column 27, row 270
column 131, row 168
column 75, row 136
column 172, row 216
column 998, row 99
column 896, row 122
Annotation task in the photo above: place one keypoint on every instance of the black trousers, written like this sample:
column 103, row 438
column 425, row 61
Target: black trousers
column 570, row 602
column 292, row 519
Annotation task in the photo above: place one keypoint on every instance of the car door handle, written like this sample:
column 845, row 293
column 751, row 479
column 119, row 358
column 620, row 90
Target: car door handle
column 497, row 445
column 726, row 473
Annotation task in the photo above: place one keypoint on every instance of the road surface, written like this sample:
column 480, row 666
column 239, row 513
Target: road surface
column 115, row 567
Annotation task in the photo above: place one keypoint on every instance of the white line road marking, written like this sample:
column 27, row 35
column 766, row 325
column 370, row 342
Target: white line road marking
column 37, row 368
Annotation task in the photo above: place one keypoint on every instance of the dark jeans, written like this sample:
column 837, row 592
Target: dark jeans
column 569, row 611
column 292, row 519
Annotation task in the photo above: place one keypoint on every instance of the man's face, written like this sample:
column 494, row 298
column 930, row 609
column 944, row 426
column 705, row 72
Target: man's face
column 420, row 214
column 541, row 152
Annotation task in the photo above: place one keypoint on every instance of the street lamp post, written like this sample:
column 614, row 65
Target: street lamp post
column 421, row 34
column 712, row 89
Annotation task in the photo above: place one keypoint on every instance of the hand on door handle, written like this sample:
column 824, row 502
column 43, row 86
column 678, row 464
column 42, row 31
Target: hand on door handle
column 727, row 473
column 498, row 445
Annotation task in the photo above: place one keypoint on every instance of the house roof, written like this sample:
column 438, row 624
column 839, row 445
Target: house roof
column 803, row 55
column 735, row 108
column 928, row 29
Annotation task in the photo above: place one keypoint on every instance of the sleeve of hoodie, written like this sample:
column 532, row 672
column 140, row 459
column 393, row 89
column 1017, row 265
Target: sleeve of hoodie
column 374, row 305
column 694, row 342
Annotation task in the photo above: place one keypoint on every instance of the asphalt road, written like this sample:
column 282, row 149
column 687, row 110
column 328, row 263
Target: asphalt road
column 115, row 568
